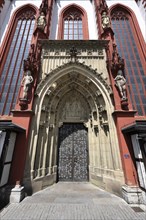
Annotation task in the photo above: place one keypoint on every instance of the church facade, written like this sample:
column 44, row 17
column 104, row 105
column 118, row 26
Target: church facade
column 73, row 95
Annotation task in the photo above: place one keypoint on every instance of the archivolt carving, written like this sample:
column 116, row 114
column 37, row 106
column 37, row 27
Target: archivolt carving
column 69, row 64
column 83, row 85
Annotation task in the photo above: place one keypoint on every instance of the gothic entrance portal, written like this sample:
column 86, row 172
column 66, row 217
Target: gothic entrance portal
column 73, row 153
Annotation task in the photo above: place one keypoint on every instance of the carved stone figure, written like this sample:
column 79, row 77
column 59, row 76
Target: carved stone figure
column 73, row 54
column 121, row 84
column 26, row 82
column 73, row 108
column 41, row 21
column 105, row 20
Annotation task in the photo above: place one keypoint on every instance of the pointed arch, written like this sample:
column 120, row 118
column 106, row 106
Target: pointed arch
column 71, row 93
column 87, row 75
column 15, row 49
column 131, row 47
column 78, row 67
column 73, row 21
column 12, row 23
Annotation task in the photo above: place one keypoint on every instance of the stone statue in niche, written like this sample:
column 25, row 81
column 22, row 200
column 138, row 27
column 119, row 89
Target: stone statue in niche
column 121, row 84
column 26, row 82
column 105, row 20
column 41, row 21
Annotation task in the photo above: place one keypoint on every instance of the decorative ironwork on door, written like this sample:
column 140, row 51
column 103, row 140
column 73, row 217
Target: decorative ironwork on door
column 73, row 153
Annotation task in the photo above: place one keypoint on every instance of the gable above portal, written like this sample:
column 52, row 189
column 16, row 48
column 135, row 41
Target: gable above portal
column 92, row 53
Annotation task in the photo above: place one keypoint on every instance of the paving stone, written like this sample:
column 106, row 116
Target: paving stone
column 71, row 201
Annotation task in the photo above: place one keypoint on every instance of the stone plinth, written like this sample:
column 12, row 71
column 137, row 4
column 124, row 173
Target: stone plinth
column 17, row 194
column 132, row 194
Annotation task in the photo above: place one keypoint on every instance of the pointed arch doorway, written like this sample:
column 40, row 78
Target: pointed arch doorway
column 73, row 152
column 80, row 97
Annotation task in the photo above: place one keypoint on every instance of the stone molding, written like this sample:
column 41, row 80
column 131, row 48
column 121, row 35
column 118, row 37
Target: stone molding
column 76, row 64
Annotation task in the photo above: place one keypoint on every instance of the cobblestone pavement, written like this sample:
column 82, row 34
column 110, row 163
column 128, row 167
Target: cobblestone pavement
column 72, row 201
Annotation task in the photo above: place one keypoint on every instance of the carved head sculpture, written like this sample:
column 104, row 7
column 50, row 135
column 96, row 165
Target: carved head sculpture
column 28, row 73
column 104, row 14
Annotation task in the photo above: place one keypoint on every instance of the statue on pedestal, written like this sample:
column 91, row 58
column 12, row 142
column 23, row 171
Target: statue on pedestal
column 121, row 84
column 26, row 82
column 41, row 21
column 105, row 20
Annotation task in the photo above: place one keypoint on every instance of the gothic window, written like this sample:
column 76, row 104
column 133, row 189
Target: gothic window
column 130, row 48
column 73, row 28
column 17, row 49
column 72, row 21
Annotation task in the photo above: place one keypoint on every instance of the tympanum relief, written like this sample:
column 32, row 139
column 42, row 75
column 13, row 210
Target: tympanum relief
column 74, row 108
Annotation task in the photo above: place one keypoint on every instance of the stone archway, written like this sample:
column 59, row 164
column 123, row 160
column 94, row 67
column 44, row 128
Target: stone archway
column 78, row 97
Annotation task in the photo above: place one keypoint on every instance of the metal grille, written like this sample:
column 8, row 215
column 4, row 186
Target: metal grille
column 73, row 153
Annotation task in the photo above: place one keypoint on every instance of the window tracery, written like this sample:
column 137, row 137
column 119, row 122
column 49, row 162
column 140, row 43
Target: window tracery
column 73, row 25
column 119, row 15
column 28, row 14
column 72, row 21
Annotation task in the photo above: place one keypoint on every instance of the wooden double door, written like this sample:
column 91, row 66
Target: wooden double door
column 73, row 152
